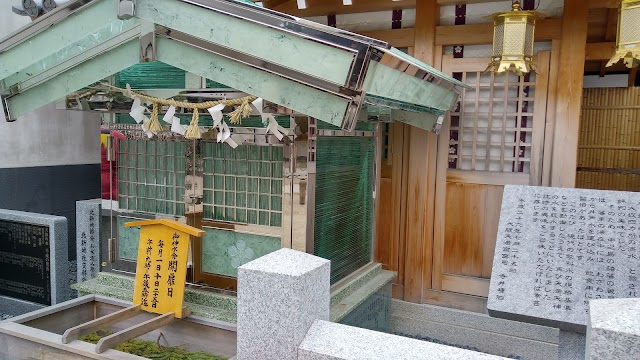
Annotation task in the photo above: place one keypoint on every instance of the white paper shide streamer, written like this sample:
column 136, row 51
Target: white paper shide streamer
column 137, row 113
column 171, row 118
column 270, row 121
column 224, row 133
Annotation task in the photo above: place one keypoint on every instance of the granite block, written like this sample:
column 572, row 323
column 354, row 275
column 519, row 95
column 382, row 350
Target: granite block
column 279, row 297
column 558, row 248
column 495, row 339
column 331, row 341
column 59, row 264
column 571, row 345
column 614, row 329
column 13, row 307
column 88, row 230
column 473, row 321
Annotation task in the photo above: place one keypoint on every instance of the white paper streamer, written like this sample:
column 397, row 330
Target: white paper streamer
column 145, row 128
column 137, row 111
column 216, row 114
column 269, row 120
column 170, row 115
column 178, row 128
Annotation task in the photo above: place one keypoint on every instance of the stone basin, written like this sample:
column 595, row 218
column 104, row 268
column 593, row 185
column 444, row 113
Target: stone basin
column 38, row 334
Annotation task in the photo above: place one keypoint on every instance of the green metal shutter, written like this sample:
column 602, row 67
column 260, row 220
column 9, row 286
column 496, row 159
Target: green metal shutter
column 344, row 202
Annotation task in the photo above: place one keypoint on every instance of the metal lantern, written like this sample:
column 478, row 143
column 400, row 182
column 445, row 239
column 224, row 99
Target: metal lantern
column 513, row 41
column 628, row 42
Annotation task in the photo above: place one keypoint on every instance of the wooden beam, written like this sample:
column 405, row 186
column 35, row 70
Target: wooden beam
column 333, row 7
column 100, row 323
column 421, row 176
column 460, row 2
column 610, row 35
column 115, row 339
column 610, row 4
column 271, row 4
column 599, row 51
column 569, row 94
column 632, row 77
column 399, row 38
column 474, row 34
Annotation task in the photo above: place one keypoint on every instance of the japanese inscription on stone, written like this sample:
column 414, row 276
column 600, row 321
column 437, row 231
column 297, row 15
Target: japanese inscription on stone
column 89, row 248
column 162, row 265
column 558, row 248
column 25, row 262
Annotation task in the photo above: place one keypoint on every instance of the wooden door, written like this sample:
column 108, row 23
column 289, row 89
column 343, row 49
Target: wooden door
column 495, row 138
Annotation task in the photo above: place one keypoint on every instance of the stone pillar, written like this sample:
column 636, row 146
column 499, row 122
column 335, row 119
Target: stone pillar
column 614, row 329
column 88, row 235
column 279, row 297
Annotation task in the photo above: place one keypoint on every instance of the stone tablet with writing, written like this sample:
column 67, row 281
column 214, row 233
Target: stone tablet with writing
column 34, row 262
column 88, row 233
column 558, row 248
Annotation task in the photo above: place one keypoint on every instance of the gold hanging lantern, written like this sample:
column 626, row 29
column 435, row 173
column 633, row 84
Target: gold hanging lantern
column 513, row 35
column 628, row 41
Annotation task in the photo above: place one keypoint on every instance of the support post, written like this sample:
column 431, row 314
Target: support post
column 421, row 175
column 569, row 94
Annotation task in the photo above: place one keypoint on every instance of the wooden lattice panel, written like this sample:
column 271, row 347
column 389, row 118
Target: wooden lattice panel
column 492, row 126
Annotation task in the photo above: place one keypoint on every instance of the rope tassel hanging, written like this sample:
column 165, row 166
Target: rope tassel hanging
column 193, row 131
column 154, row 123
column 243, row 110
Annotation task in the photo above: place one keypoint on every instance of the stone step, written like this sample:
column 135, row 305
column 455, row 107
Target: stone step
column 474, row 331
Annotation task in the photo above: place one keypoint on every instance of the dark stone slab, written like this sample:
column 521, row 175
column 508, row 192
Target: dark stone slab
column 34, row 261
column 558, row 248
column 50, row 190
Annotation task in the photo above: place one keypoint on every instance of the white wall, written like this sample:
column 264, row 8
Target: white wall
column 47, row 136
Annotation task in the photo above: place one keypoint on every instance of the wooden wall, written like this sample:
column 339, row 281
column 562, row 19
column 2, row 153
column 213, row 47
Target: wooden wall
column 609, row 144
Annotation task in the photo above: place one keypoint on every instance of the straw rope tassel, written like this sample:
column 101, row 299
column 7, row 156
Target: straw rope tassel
column 242, row 111
column 193, row 131
column 154, row 123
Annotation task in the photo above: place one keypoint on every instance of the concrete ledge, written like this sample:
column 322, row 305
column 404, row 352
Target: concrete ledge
column 474, row 331
column 345, row 297
column 331, row 341
column 348, row 303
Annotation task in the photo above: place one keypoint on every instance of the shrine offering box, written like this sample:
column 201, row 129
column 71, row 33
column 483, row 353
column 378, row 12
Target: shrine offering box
column 38, row 334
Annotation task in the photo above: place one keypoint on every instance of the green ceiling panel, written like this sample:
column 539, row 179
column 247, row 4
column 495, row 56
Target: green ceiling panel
column 152, row 75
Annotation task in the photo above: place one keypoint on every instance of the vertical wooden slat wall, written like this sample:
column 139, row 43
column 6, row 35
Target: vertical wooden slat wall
column 609, row 144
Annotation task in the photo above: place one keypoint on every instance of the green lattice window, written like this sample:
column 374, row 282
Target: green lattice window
column 344, row 202
column 244, row 184
column 151, row 176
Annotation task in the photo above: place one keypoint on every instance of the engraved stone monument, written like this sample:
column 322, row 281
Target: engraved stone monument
column 88, row 231
column 558, row 248
column 34, row 262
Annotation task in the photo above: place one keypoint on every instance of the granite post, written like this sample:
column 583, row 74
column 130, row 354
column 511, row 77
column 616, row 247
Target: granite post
column 88, row 231
column 614, row 329
column 279, row 297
